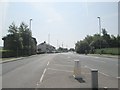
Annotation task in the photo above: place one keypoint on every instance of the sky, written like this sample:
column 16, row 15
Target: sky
column 62, row 22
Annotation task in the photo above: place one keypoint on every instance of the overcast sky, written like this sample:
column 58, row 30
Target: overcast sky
column 66, row 22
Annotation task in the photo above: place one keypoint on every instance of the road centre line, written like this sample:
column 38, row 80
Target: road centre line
column 43, row 75
column 59, row 70
column 41, row 79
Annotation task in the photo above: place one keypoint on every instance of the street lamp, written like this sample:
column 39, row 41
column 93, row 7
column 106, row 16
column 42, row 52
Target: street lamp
column 29, row 37
column 30, row 24
column 100, row 31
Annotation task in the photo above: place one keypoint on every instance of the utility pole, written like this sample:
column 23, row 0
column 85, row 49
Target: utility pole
column 100, row 31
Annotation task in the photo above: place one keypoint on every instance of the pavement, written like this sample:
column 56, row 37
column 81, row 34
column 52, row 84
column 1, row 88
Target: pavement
column 10, row 59
column 105, row 55
column 56, row 71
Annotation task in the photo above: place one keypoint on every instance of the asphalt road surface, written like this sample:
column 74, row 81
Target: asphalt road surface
column 56, row 71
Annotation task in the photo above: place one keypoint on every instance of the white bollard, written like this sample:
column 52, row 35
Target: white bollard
column 105, row 88
column 94, row 74
column 77, row 69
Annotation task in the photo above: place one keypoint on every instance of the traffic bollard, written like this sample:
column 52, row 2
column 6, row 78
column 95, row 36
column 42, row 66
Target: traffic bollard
column 94, row 74
column 77, row 69
column 105, row 88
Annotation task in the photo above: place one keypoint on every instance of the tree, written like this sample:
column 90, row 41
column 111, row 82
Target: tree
column 104, row 32
column 13, row 29
column 89, row 39
column 72, row 49
column 97, row 42
column 106, row 37
column 114, row 41
column 25, row 33
column 82, row 47
column 12, row 40
column 20, row 40
column 118, row 40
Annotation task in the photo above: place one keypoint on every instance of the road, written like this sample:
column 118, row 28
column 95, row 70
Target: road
column 56, row 71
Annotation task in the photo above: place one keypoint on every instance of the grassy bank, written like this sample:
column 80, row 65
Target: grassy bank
column 111, row 51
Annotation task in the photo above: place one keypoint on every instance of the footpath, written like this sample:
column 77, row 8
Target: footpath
column 5, row 60
column 106, row 56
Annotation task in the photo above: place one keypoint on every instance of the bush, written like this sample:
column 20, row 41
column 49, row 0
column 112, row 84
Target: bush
column 8, row 53
column 112, row 51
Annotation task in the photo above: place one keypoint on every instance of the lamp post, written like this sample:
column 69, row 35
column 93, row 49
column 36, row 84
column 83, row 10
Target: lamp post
column 29, row 37
column 30, row 24
column 100, row 31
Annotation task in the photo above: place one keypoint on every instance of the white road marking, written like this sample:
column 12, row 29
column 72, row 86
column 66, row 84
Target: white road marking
column 59, row 70
column 48, row 63
column 98, row 71
column 63, row 65
column 87, row 67
column 103, row 73
column 41, row 79
column 43, row 75
column 99, row 61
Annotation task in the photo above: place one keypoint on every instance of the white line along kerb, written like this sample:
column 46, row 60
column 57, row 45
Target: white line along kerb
column 43, row 75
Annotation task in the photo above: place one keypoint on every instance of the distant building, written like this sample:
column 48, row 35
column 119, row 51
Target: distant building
column 45, row 48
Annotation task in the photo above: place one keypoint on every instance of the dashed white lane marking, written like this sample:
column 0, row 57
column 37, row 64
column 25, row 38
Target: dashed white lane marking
column 41, row 79
column 98, row 71
column 43, row 75
column 48, row 63
column 59, row 70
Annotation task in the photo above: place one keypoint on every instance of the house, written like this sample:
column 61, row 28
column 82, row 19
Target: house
column 45, row 48
column 17, row 47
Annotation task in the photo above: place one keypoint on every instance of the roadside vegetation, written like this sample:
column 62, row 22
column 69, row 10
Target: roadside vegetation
column 112, row 51
column 19, row 41
column 99, row 44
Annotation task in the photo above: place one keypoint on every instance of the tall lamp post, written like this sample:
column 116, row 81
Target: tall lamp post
column 100, row 31
column 29, row 37
column 30, row 24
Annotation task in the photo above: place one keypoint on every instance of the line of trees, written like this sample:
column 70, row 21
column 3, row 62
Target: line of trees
column 19, row 41
column 97, row 41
